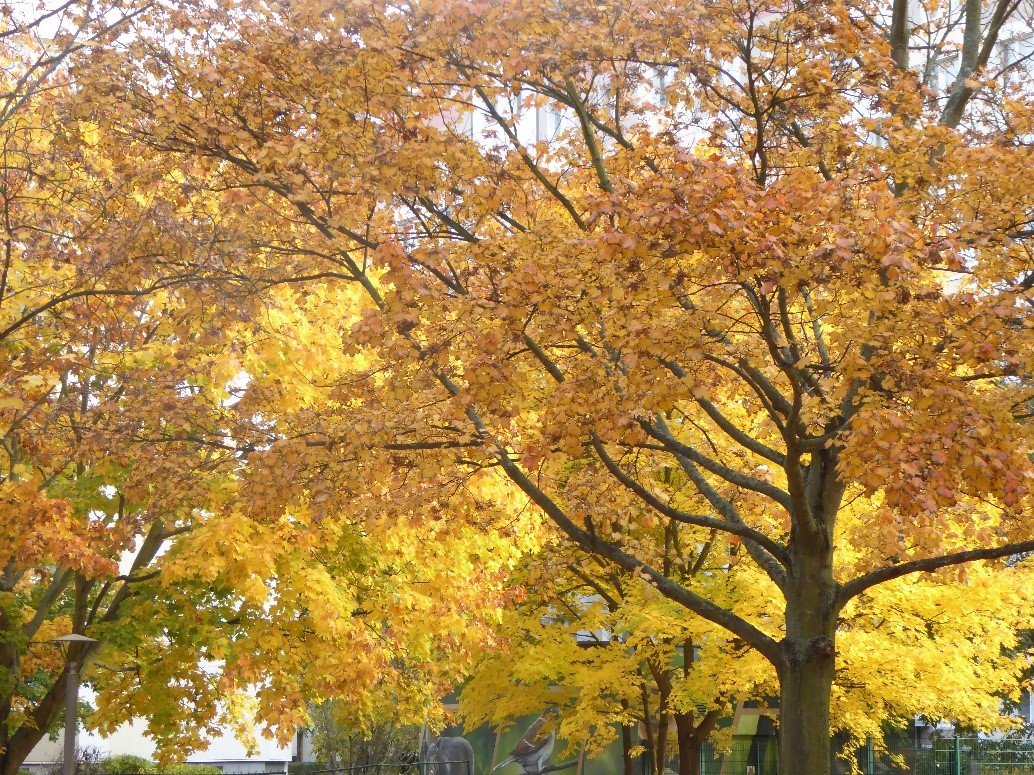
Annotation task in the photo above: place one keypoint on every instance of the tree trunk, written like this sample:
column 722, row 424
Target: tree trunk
column 19, row 743
column 660, row 741
column 807, row 655
column 689, row 744
column 660, row 754
column 808, row 659
column 626, row 751
column 691, row 739
column 805, row 685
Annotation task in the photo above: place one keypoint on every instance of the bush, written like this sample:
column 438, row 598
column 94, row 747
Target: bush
column 190, row 769
column 125, row 764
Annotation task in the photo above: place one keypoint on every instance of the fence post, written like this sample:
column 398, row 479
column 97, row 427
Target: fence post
column 957, row 769
column 870, row 757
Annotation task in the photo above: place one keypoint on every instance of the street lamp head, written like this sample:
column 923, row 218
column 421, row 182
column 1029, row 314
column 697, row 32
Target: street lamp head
column 65, row 642
column 73, row 638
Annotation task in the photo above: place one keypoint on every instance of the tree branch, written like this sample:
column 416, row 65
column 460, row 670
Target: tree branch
column 731, row 430
column 857, row 586
column 975, row 54
column 765, row 561
column 899, row 34
column 764, row 644
column 741, row 529
column 728, row 474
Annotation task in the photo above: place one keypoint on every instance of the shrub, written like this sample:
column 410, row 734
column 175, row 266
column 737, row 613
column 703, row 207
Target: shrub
column 190, row 769
column 125, row 764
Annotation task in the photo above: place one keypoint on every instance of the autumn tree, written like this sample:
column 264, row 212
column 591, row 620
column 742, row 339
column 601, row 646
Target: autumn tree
column 109, row 283
column 133, row 310
column 302, row 594
column 340, row 740
column 610, row 654
column 743, row 241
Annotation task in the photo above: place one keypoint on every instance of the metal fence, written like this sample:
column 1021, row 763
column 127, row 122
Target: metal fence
column 970, row 756
column 760, row 756
column 748, row 756
column 399, row 768
column 372, row 769
column 949, row 756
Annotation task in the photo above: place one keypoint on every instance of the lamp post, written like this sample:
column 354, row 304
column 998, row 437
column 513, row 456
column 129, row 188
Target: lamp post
column 71, row 698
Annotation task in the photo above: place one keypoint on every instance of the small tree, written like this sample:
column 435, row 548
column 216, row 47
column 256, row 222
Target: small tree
column 341, row 739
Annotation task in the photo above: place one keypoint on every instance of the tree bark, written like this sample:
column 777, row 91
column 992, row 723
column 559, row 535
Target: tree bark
column 20, row 742
column 691, row 738
column 808, row 659
column 660, row 741
column 805, row 687
column 626, row 751
column 660, row 754
column 807, row 655
column 689, row 758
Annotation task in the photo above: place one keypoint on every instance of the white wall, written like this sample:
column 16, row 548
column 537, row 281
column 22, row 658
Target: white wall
column 224, row 751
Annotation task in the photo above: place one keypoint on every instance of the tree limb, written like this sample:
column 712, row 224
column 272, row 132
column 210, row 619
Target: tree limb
column 857, row 586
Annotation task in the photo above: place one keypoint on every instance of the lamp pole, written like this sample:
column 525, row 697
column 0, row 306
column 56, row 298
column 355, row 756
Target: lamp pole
column 71, row 698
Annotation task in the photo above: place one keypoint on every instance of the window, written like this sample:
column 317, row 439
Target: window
column 547, row 122
column 1026, row 712
column 1016, row 55
column 660, row 82
column 943, row 73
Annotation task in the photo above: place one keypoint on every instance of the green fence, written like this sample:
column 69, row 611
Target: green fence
column 949, row 756
column 960, row 756
column 748, row 756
